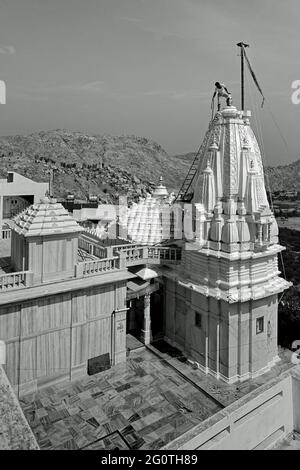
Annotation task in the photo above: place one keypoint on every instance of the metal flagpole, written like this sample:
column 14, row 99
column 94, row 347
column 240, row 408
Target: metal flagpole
column 242, row 45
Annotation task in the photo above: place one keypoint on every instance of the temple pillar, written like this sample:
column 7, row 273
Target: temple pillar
column 259, row 234
column 146, row 334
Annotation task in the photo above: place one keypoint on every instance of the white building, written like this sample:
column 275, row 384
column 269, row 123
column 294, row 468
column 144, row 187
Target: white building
column 18, row 192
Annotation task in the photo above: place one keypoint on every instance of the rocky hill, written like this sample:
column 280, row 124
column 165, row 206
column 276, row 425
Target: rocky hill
column 281, row 178
column 107, row 165
column 104, row 165
column 284, row 177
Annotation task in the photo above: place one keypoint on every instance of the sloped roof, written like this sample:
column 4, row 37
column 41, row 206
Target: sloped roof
column 145, row 273
column 46, row 218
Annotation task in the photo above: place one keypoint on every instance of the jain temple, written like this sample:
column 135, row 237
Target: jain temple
column 164, row 338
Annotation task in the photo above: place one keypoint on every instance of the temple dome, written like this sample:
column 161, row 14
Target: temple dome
column 148, row 220
column 144, row 221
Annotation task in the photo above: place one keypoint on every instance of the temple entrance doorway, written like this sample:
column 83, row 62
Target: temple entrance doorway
column 157, row 315
column 144, row 321
column 134, row 323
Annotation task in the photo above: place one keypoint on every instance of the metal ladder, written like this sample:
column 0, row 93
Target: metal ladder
column 183, row 194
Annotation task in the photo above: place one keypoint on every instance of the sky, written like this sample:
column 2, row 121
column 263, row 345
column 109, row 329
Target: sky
column 148, row 68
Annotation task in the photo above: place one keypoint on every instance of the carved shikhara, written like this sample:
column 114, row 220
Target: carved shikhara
column 231, row 150
column 230, row 270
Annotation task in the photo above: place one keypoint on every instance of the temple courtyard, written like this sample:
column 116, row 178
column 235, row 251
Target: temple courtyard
column 145, row 403
column 142, row 404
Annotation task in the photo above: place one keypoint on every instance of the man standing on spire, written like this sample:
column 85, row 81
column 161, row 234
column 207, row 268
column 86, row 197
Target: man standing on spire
column 221, row 92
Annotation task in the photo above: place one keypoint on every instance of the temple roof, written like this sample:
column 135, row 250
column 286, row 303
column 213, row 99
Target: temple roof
column 46, row 218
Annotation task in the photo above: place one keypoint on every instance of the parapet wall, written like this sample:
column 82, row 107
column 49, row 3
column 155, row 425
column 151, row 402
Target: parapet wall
column 257, row 421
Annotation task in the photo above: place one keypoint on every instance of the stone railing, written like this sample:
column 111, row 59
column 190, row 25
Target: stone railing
column 134, row 255
column 94, row 267
column 5, row 233
column 91, row 247
column 131, row 246
column 15, row 280
column 130, row 256
column 90, row 242
column 164, row 253
column 99, row 251
column 15, row 211
column 124, row 258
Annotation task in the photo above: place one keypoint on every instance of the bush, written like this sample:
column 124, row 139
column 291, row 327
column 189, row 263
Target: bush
column 289, row 317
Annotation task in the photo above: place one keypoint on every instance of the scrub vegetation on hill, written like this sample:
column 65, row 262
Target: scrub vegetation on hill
column 289, row 305
column 108, row 165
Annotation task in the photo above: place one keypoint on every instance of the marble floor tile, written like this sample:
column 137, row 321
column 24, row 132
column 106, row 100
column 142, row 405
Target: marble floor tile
column 142, row 404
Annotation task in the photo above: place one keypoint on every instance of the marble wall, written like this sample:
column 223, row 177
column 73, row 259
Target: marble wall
column 51, row 338
column 221, row 337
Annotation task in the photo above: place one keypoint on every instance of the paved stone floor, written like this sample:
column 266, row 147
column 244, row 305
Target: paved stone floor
column 224, row 393
column 142, row 404
column 133, row 343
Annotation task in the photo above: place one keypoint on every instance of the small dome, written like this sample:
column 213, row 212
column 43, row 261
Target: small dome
column 160, row 190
